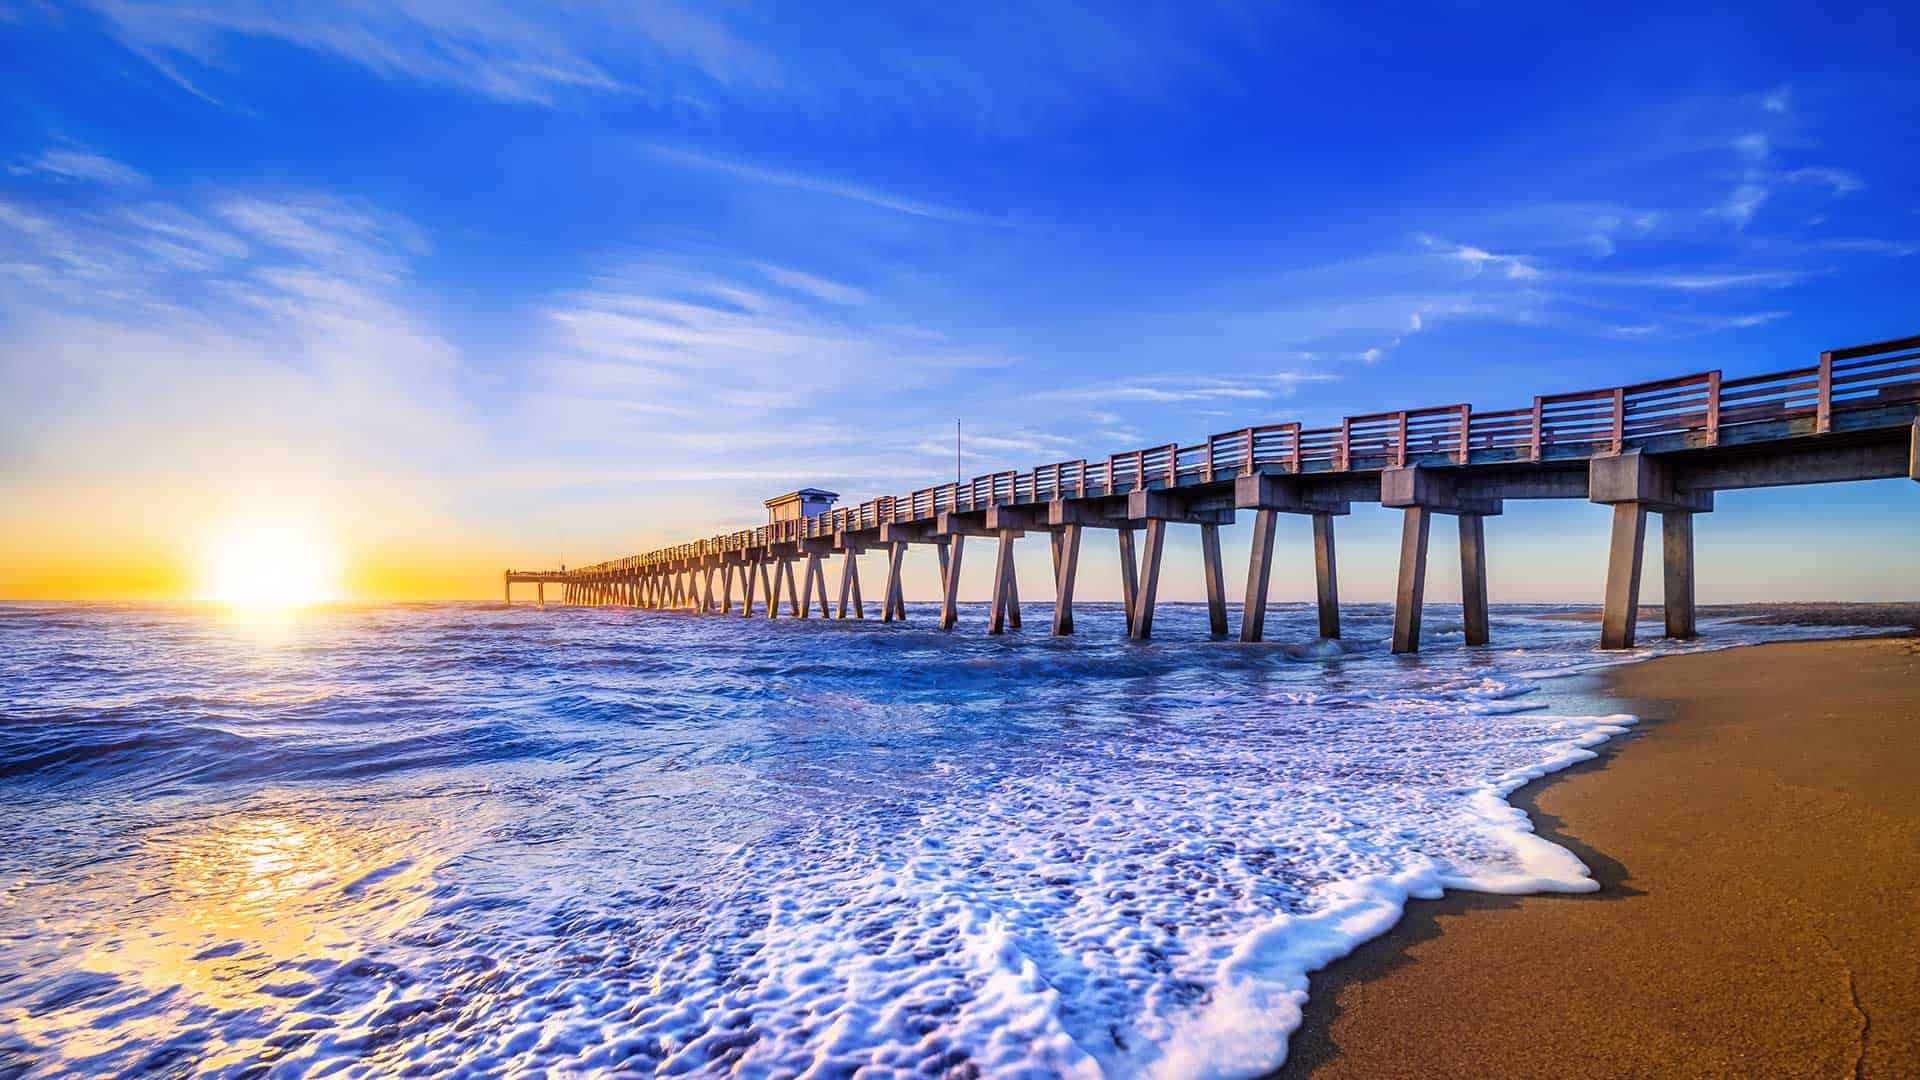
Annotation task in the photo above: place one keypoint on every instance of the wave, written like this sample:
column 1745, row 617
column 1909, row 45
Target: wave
column 461, row 838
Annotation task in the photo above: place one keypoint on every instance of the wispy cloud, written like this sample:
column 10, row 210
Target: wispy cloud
column 507, row 51
column 819, row 185
column 1518, row 267
column 813, row 285
column 1177, row 390
column 749, row 374
column 158, row 336
column 1864, row 245
column 1743, row 203
column 1837, row 181
column 1761, row 176
column 1687, row 325
column 996, row 68
column 74, row 164
column 1689, row 281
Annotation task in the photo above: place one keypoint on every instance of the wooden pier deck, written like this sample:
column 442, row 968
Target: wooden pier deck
column 1662, row 447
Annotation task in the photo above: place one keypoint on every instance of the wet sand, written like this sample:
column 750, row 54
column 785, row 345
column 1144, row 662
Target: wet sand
column 1757, row 841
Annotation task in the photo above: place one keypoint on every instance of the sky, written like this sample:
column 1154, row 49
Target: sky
column 460, row 286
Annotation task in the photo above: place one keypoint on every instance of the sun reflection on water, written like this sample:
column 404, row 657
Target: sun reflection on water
column 247, row 911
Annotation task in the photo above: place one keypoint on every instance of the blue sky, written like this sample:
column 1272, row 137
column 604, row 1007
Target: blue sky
column 477, row 283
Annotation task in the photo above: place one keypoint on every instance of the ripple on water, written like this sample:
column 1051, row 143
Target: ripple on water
column 468, row 838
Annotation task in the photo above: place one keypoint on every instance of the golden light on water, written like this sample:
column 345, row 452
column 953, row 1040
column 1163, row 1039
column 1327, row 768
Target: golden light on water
column 270, row 566
column 247, row 911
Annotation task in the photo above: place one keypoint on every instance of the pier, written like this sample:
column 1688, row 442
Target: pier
column 1661, row 447
column 539, row 579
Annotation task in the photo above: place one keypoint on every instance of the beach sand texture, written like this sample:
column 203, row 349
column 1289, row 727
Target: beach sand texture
column 1757, row 840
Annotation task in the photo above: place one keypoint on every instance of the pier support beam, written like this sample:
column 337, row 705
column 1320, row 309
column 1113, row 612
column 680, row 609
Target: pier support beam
column 1634, row 483
column 1004, row 591
column 1013, row 595
column 1622, row 609
column 1676, row 550
column 1066, row 563
column 1253, row 611
column 950, row 554
column 1149, row 584
column 1473, row 578
column 750, row 575
column 1419, row 493
column 1216, row 583
column 1155, row 509
column 850, row 586
column 816, row 578
column 895, row 605
column 1326, row 576
column 1129, row 578
column 1416, row 523
column 1268, row 497
column 820, row 584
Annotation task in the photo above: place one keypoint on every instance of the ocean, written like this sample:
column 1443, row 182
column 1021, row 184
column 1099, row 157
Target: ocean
column 586, row 841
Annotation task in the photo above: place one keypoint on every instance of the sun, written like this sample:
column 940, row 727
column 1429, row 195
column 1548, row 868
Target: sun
column 270, row 566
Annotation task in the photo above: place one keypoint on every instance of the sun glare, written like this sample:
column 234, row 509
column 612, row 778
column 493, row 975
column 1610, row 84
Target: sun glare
column 270, row 566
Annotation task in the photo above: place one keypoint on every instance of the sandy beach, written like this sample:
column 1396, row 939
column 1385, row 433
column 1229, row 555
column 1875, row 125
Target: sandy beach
column 1757, row 840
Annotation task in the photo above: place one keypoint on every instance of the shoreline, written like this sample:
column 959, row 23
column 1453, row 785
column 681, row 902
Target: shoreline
column 1756, row 912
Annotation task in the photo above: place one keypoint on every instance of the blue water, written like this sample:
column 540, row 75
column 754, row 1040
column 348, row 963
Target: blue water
column 431, row 839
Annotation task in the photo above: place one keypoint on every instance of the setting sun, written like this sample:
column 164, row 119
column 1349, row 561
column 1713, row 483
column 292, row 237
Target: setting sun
column 270, row 566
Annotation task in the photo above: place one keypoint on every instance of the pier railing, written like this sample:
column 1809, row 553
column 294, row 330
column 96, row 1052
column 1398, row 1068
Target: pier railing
column 1698, row 410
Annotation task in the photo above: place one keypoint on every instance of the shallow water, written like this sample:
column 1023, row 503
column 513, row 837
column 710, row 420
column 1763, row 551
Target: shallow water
column 575, row 841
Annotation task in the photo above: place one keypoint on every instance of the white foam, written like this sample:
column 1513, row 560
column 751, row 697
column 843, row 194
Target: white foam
column 801, row 850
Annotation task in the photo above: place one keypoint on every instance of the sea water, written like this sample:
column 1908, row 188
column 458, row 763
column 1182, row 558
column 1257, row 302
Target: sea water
column 578, row 841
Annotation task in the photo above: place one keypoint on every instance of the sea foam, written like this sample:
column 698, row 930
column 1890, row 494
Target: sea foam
column 584, row 841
